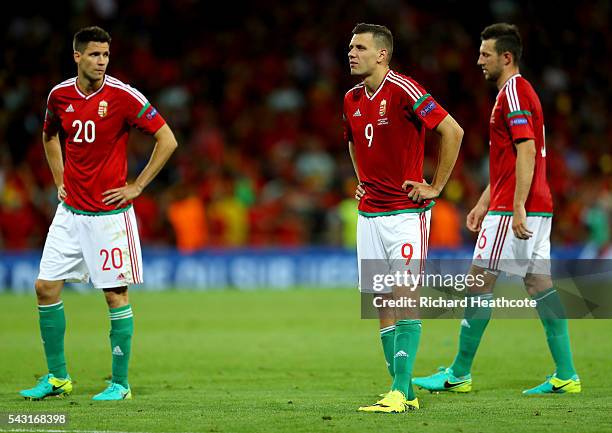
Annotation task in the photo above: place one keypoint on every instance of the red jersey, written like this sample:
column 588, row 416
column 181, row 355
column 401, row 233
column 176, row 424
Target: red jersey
column 95, row 129
column 517, row 115
column 388, row 132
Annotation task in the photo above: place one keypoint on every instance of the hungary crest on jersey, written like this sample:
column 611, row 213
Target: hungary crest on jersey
column 103, row 108
column 382, row 110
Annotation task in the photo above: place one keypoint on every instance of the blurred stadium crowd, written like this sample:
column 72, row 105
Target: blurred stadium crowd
column 254, row 95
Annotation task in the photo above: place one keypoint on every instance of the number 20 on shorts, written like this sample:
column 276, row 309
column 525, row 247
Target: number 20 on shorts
column 116, row 259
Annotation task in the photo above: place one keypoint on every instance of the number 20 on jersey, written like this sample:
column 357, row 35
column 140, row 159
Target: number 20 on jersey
column 85, row 131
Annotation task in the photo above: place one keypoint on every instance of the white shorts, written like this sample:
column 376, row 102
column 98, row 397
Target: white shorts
column 498, row 249
column 392, row 243
column 105, row 248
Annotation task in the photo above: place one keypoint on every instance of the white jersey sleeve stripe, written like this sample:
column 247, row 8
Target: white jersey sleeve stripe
column 510, row 92
column 66, row 83
column 517, row 102
column 511, row 95
column 128, row 90
column 408, row 91
column 405, row 81
column 138, row 93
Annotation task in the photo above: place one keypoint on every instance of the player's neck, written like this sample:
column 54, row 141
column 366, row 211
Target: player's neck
column 372, row 82
column 505, row 76
column 88, row 86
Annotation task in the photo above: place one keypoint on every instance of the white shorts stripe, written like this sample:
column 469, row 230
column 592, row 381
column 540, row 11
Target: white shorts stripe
column 426, row 237
column 131, row 250
column 135, row 253
column 495, row 242
column 501, row 244
column 500, row 229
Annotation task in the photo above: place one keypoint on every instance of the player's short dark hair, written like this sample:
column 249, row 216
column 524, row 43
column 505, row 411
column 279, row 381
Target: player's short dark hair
column 87, row 35
column 381, row 34
column 507, row 38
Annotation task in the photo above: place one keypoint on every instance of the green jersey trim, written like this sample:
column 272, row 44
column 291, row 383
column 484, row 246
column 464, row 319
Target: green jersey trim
column 420, row 101
column 501, row 212
column 396, row 212
column 519, row 113
column 84, row 212
column 144, row 108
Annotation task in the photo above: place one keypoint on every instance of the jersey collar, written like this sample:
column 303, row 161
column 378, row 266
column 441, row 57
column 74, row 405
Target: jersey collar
column 76, row 87
column 380, row 86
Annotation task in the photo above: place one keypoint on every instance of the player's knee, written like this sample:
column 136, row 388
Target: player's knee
column 535, row 284
column 483, row 281
column 47, row 291
column 116, row 297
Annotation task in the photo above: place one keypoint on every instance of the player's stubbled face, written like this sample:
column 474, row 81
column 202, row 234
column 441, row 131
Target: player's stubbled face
column 489, row 61
column 362, row 54
column 94, row 60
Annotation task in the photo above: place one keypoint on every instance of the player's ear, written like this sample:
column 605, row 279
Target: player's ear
column 383, row 55
column 77, row 56
column 508, row 58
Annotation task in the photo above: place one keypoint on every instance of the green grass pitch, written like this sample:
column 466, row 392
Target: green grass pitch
column 291, row 361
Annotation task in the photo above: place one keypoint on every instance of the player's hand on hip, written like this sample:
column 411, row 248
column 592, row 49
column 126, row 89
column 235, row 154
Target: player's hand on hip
column 519, row 223
column 475, row 217
column 121, row 195
column 61, row 193
column 420, row 191
column 359, row 192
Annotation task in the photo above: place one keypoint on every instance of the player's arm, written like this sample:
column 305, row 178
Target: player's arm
column 53, row 152
column 451, row 135
column 164, row 147
column 478, row 212
column 360, row 191
column 525, row 163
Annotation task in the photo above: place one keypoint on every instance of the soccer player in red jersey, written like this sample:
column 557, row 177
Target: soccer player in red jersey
column 386, row 117
column 513, row 218
column 93, row 234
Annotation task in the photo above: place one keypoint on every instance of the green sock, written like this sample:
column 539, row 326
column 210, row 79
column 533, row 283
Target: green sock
column 387, row 337
column 552, row 315
column 473, row 326
column 407, row 336
column 122, row 329
column 52, row 329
